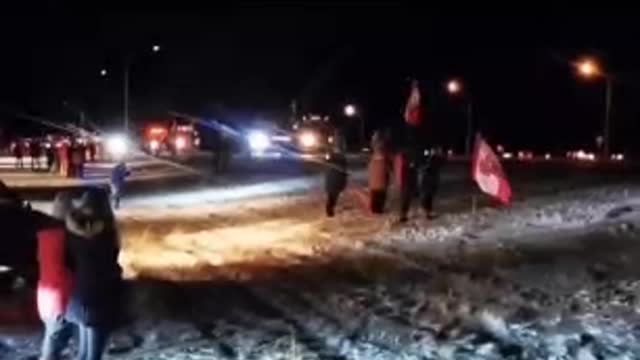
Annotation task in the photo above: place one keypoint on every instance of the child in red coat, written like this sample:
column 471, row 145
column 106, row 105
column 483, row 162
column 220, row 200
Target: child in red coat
column 54, row 283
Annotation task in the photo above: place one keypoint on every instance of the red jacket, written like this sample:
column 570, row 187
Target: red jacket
column 405, row 173
column 54, row 284
column 379, row 170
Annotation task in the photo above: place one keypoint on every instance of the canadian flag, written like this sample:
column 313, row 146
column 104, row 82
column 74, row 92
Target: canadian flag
column 413, row 111
column 487, row 172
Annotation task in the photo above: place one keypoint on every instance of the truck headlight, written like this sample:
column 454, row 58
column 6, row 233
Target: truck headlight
column 181, row 143
column 258, row 140
column 308, row 140
column 117, row 145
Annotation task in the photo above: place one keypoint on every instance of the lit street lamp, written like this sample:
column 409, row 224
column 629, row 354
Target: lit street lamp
column 351, row 111
column 125, row 85
column 454, row 87
column 589, row 68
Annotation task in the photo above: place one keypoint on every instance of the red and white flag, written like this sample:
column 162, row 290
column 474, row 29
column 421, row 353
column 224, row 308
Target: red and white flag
column 487, row 172
column 413, row 110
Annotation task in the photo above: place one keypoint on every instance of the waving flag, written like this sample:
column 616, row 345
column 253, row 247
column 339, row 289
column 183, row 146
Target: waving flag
column 413, row 111
column 488, row 174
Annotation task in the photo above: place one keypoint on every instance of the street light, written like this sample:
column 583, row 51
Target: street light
column 103, row 72
column 127, row 64
column 350, row 110
column 454, row 87
column 589, row 68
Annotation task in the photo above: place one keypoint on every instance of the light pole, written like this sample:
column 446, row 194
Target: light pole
column 589, row 69
column 351, row 111
column 454, row 87
column 126, row 85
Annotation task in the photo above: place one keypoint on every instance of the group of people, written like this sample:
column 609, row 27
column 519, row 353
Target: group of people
column 417, row 175
column 65, row 158
column 79, row 282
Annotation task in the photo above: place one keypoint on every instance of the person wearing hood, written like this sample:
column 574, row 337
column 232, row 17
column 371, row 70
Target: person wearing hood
column 119, row 175
column 336, row 173
column 93, row 254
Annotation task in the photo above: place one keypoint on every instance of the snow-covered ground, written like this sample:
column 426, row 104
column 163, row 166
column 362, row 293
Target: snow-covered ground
column 552, row 277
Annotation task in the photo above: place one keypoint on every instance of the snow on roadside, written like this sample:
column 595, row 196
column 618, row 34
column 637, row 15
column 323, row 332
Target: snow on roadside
column 553, row 277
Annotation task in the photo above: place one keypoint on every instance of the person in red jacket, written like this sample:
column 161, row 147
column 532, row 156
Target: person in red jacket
column 55, row 282
column 406, row 179
column 379, row 173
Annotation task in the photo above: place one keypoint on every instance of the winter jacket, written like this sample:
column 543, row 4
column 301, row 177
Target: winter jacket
column 379, row 171
column 336, row 173
column 430, row 173
column 119, row 175
column 405, row 171
column 54, row 282
column 93, row 249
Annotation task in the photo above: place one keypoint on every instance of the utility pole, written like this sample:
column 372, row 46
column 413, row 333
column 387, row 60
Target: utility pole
column 469, row 128
column 126, row 95
column 607, row 118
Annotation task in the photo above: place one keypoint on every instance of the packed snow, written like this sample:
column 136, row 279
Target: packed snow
column 554, row 276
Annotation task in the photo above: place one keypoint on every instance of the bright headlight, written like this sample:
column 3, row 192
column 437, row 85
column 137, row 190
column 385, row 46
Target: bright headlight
column 181, row 143
column 117, row 145
column 308, row 139
column 258, row 141
column 154, row 144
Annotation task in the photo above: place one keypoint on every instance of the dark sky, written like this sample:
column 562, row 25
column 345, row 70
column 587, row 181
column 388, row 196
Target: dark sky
column 252, row 60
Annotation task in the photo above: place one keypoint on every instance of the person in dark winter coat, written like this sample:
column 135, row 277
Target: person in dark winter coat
column 379, row 173
column 35, row 152
column 406, row 180
column 55, row 282
column 430, row 181
column 51, row 157
column 18, row 152
column 119, row 176
column 336, row 174
column 97, row 286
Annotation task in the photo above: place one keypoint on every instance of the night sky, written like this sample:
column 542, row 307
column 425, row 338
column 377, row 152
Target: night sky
column 247, row 62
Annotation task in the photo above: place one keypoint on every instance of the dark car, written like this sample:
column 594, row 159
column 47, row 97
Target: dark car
column 18, row 245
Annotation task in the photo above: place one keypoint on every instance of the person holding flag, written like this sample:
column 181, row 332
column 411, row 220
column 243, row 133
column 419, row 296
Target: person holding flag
column 406, row 161
column 487, row 172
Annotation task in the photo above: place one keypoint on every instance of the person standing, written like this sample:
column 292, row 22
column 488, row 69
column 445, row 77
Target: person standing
column 92, row 149
column 119, row 176
column 76, row 155
column 63, row 158
column 430, row 181
column 379, row 173
column 335, row 174
column 35, row 152
column 18, row 153
column 95, row 303
column 406, row 180
column 51, row 157
column 54, row 283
